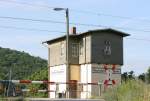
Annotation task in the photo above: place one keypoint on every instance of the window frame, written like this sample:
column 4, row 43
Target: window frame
column 62, row 49
column 75, row 49
column 81, row 48
column 107, row 49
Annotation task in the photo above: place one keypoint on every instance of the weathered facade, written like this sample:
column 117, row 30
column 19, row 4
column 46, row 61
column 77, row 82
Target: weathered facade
column 88, row 53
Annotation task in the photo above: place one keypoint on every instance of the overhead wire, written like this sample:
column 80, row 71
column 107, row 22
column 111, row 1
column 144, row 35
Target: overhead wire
column 78, row 11
column 25, row 3
column 28, row 29
column 81, row 11
column 29, row 19
column 110, row 15
column 78, row 24
column 81, row 24
column 31, row 29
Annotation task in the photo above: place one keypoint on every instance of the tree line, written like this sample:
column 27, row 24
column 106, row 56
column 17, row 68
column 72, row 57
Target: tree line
column 145, row 77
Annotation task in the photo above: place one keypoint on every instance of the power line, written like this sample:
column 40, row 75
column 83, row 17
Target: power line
column 28, row 19
column 28, row 29
column 32, row 29
column 46, row 21
column 110, row 15
column 81, row 24
column 78, row 24
column 78, row 11
column 25, row 3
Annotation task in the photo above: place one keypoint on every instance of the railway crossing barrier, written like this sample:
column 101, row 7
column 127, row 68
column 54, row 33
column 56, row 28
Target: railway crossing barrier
column 67, row 93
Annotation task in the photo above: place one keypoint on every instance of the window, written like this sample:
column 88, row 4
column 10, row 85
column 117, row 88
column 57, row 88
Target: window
column 107, row 42
column 75, row 49
column 107, row 49
column 62, row 51
column 81, row 48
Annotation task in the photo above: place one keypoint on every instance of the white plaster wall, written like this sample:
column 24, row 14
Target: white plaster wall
column 86, row 78
column 58, row 74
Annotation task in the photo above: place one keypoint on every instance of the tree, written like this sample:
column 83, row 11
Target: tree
column 148, row 75
column 124, row 76
column 22, row 64
column 142, row 77
column 131, row 75
column 127, row 75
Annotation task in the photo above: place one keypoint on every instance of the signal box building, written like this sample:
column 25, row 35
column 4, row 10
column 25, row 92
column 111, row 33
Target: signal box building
column 91, row 55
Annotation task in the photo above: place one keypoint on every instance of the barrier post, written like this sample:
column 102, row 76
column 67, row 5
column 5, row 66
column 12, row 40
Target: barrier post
column 57, row 91
column 100, row 88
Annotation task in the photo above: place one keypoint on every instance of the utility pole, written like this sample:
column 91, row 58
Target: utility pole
column 67, row 42
column 9, row 82
column 67, row 33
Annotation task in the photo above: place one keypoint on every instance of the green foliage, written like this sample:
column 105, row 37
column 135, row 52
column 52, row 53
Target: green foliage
column 127, row 76
column 142, row 77
column 41, row 75
column 22, row 64
column 148, row 75
column 145, row 77
column 131, row 90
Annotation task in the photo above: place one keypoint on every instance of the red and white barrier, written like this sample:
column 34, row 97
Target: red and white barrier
column 36, row 90
column 47, row 82
column 31, row 82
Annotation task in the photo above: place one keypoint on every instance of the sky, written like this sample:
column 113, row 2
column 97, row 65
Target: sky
column 129, row 16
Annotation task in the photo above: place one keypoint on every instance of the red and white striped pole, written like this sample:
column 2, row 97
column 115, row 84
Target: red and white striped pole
column 36, row 90
column 31, row 82
column 33, row 90
column 46, row 82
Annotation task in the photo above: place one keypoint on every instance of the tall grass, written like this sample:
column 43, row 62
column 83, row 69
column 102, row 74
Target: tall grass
column 131, row 90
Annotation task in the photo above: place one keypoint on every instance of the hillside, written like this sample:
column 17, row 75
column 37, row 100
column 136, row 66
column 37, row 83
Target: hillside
column 21, row 64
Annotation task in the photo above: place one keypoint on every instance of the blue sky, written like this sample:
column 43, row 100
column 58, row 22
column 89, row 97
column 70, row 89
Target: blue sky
column 136, row 52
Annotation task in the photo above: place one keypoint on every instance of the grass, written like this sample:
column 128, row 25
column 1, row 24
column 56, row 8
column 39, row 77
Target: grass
column 131, row 90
